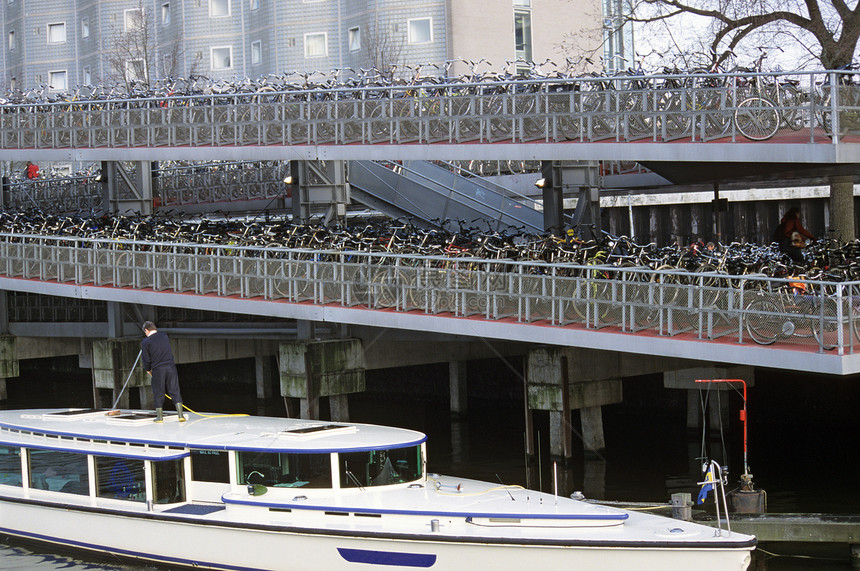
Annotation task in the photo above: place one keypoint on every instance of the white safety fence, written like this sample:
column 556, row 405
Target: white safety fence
column 705, row 306
column 658, row 108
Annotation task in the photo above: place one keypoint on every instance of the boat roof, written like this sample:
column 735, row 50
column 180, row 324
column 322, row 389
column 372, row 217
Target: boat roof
column 201, row 431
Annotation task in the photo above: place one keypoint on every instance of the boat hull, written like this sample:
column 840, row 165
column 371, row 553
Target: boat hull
column 213, row 544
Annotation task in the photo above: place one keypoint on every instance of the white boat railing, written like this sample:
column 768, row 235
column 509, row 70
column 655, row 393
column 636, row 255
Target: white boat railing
column 701, row 306
column 716, row 479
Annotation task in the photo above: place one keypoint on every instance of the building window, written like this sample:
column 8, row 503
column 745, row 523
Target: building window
column 255, row 4
column 58, row 80
column 165, row 14
column 256, row 53
column 219, row 8
column 133, row 20
column 88, row 76
column 222, row 58
column 12, row 40
column 523, row 3
column 57, row 33
column 420, row 30
column 354, row 36
column 316, row 45
column 167, row 63
column 85, row 27
column 523, row 34
column 135, row 70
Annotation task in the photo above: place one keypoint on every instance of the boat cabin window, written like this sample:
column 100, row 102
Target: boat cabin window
column 380, row 467
column 285, row 470
column 120, row 478
column 167, row 475
column 210, row 466
column 10, row 465
column 59, row 471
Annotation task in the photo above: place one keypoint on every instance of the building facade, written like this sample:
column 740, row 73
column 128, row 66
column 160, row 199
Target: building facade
column 64, row 43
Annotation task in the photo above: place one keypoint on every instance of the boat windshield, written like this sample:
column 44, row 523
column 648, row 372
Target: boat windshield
column 285, row 470
column 380, row 467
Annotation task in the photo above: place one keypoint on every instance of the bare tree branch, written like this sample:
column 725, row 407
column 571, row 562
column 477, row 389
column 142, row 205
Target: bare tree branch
column 831, row 24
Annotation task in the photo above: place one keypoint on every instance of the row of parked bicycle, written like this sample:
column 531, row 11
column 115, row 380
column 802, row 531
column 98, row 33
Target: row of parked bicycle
column 707, row 103
column 825, row 260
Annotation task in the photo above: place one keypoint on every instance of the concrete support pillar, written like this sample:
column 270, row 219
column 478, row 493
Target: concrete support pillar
column 263, row 371
column 145, row 394
column 556, row 382
column 842, row 208
column 310, row 370
column 592, row 429
column 112, row 362
column 8, row 362
column 115, row 319
column 4, row 313
column 694, row 416
column 458, row 388
column 339, row 407
column 559, row 424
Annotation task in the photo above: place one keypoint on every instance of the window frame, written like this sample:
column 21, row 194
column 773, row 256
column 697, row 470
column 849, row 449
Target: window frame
column 11, row 41
column 86, row 75
column 257, row 49
column 66, row 463
column 325, row 44
column 409, row 35
column 52, row 25
column 165, row 14
column 229, row 7
column 85, row 27
column 212, row 50
column 528, row 42
column 125, row 20
column 136, row 469
column 254, row 5
column 56, row 72
column 349, row 38
column 128, row 68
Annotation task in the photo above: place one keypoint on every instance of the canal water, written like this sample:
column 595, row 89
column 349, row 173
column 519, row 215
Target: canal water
column 802, row 440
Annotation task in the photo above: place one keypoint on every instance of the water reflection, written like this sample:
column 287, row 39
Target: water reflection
column 21, row 558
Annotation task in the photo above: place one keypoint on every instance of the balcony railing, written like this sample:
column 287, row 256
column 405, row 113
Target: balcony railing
column 658, row 108
column 703, row 306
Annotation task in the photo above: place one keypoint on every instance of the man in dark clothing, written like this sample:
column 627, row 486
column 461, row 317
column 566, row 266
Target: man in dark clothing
column 158, row 363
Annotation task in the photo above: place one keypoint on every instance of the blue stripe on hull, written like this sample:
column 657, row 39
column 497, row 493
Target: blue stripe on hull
column 387, row 557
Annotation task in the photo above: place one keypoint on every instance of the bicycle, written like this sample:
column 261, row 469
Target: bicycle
column 791, row 309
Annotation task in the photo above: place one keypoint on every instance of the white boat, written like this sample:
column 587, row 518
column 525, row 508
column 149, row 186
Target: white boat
column 249, row 493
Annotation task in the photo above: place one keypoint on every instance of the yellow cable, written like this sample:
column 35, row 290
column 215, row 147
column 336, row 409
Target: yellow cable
column 207, row 415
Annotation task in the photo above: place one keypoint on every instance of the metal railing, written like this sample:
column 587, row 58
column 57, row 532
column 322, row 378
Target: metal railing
column 622, row 108
column 703, row 306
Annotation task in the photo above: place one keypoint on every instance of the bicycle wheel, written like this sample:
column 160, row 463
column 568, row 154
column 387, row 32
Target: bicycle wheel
column 762, row 323
column 828, row 335
column 757, row 118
